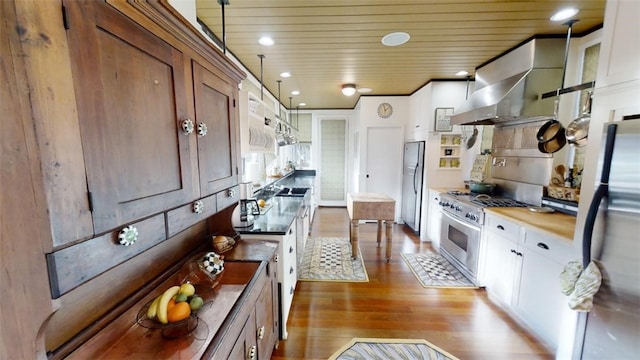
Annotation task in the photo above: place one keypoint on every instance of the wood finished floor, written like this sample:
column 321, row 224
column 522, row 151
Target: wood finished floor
column 393, row 304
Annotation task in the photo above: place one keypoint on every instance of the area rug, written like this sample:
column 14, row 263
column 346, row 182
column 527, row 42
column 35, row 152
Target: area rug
column 386, row 349
column 329, row 259
column 432, row 270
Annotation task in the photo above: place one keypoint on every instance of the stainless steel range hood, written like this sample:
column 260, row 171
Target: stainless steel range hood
column 509, row 88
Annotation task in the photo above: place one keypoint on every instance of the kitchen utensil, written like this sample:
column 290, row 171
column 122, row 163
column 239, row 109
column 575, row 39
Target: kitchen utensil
column 472, row 139
column 481, row 187
column 551, row 137
column 578, row 129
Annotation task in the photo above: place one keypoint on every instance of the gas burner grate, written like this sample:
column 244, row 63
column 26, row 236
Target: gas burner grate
column 498, row 203
column 456, row 192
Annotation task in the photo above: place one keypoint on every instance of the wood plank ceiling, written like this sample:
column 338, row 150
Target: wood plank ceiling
column 327, row 43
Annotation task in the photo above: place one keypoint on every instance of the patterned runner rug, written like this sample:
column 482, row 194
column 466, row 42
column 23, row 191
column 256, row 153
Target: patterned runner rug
column 386, row 349
column 329, row 259
column 432, row 270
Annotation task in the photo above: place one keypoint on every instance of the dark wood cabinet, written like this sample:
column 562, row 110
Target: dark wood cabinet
column 215, row 109
column 131, row 99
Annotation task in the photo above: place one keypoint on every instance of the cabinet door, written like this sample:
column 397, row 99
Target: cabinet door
column 217, row 153
column 265, row 334
column 434, row 219
column 540, row 302
column 500, row 267
column 130, row 93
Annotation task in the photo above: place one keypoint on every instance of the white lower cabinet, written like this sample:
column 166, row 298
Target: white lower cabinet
column 434, row 217
column 287, row 271
column 522, row 273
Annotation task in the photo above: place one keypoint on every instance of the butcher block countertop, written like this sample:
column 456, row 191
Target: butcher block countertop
column 555, row 224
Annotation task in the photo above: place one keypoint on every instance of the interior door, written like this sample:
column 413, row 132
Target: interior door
column 384, row 163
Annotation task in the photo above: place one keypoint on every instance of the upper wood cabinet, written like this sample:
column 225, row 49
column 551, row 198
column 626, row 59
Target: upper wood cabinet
column 131, row 98
column 135, row 93
column 215, row 103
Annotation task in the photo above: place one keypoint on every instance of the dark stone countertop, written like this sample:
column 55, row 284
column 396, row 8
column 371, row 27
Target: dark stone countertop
column 278, row 219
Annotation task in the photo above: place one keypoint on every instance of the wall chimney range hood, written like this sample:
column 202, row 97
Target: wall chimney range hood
column 509, row 88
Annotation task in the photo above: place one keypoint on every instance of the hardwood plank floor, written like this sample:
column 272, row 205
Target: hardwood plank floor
column 393, row 304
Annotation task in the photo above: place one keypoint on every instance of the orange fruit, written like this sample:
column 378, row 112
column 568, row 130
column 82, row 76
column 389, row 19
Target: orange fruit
column 171, row 304
column 179, row 311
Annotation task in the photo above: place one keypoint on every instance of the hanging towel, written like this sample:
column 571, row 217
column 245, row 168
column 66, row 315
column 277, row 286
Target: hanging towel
column 588, row 284
column 569, row 276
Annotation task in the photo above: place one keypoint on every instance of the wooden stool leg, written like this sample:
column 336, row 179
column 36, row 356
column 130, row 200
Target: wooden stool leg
column 388, row 235
column 353, row 237
column 379, row 232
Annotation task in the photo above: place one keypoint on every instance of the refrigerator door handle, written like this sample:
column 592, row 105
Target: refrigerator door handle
column 599, row 194
column 415, row 174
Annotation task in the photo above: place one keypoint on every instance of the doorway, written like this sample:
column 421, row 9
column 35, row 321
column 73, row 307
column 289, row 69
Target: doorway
column 383, row 171
column 333, row 162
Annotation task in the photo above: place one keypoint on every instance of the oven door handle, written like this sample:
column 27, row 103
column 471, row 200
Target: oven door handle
column 477, row 228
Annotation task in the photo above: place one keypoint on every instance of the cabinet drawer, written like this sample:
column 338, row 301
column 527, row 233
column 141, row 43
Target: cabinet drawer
column 553, row 248
column 500, row 225
column 75, row 265
column 183, row 217
column 228, row 197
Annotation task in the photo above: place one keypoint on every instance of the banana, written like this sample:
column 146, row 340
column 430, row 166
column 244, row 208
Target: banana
column 164, row 301
column 153, row 308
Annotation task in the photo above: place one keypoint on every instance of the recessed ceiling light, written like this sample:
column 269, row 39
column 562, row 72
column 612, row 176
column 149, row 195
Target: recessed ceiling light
column 302, row 104
column 295, row 92
column 364, row 90
column 564, row 14
column 285, row 74
column 462, row 73
column 266, row 41
column 395, row 38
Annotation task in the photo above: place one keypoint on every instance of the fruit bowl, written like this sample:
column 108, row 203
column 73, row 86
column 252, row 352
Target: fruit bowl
column 176, row 329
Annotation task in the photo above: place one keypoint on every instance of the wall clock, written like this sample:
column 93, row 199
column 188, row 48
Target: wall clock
column 385, row 110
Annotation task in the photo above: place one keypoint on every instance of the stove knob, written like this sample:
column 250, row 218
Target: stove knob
column 458, row 208
column 453, row 206
column 467, row 215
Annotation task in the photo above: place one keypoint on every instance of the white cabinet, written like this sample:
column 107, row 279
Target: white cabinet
column 434, row 219
column 257, row 125
column 287, row 271
column 619, row 52
column 522, row 272
column 502, row 263
column 540, row 301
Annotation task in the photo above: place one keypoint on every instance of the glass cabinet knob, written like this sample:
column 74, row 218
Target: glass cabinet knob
column 187, row 126
column 128, row 236
column 198, row 206
column 202, row 129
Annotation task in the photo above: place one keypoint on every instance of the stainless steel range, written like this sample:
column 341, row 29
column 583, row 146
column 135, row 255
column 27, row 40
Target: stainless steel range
column 461, row 227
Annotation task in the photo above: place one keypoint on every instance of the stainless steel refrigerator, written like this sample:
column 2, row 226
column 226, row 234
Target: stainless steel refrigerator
column 412, row 176
column 612, row 327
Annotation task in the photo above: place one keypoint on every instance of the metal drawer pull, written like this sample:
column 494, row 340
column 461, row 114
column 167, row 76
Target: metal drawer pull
column 291, row 291
column 514, row 252
column 291, row 270
column 500, row 227
column 261, row 331
column 543, row 246
column 290, row 249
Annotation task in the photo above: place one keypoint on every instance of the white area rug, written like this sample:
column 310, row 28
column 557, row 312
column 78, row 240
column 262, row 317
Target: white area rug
column 387, row 349
column 329, row 259
column 432, row 270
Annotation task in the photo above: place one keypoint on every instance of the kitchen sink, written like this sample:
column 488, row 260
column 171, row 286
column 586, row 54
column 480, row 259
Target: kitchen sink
column 292, row 192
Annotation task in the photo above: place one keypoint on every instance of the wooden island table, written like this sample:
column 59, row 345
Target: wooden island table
column 370, row 206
